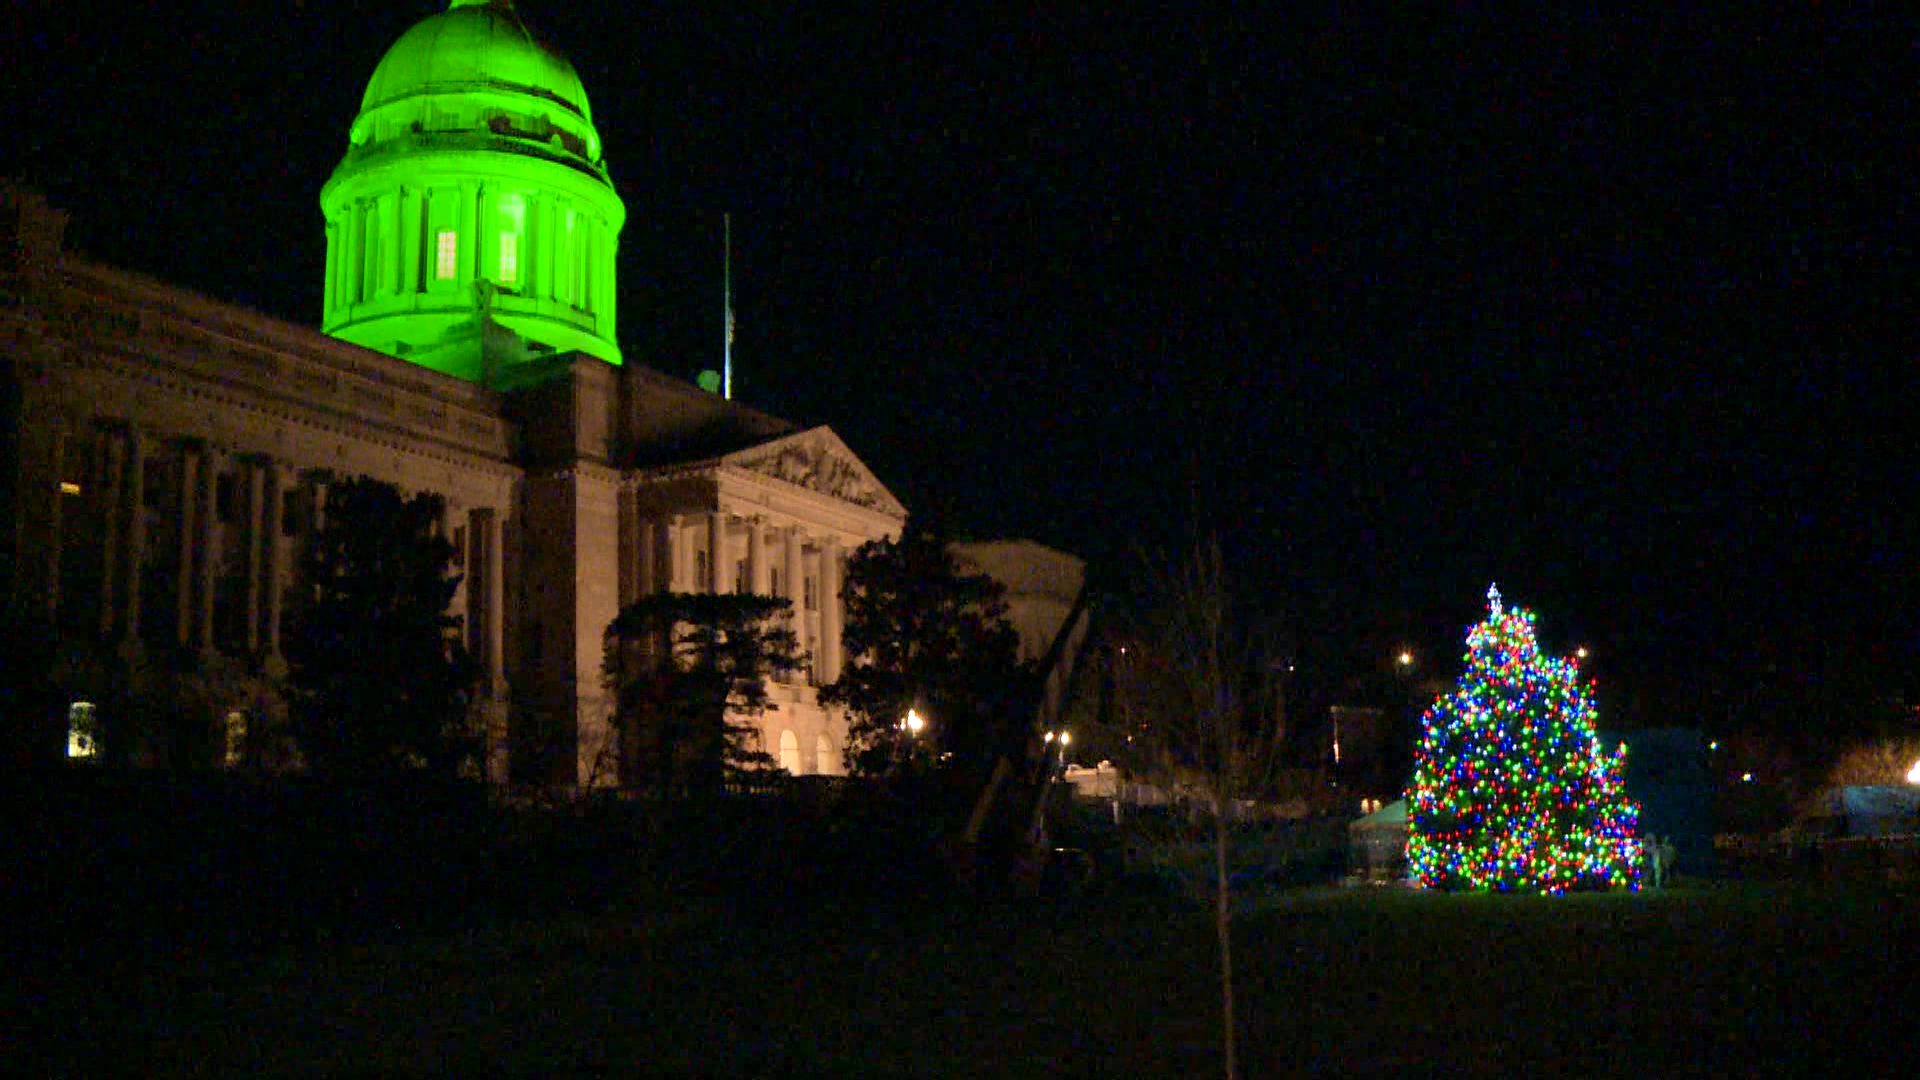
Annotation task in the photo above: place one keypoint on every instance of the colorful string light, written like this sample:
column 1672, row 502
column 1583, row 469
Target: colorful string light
column 1511, row 788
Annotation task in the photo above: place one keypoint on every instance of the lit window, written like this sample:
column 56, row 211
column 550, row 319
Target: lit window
column 509, row 258
column 81, row 726
column 68, row 487
column 446, row 254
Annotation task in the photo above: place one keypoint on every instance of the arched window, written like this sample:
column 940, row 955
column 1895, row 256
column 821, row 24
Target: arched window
column 790, row 752
column 827, row 761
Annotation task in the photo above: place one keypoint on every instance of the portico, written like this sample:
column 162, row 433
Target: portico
column 777, row 519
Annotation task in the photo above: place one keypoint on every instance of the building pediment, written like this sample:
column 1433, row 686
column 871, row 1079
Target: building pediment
column 817, row 460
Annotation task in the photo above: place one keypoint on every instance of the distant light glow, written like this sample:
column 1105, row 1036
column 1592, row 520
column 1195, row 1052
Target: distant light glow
column 914, row 722
column 1913, row 774
column 68, row 487
column 1746, row 778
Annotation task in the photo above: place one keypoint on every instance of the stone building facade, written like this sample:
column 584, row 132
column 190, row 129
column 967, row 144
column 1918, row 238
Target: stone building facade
column 168, row 451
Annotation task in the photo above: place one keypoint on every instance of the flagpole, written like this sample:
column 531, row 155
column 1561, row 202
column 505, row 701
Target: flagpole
column 726, row 367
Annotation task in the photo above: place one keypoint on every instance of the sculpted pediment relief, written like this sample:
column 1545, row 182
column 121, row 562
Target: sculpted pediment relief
column 819, row 461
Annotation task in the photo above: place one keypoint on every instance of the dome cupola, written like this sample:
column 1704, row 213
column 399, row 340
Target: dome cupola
column 471, row 225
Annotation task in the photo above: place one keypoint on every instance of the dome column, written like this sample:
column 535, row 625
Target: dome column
column 410, row 233
column 469, row 236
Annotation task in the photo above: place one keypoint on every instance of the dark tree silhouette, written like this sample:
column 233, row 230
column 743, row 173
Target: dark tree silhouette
column 921, row 634
column 684, row 669
column 378, row 681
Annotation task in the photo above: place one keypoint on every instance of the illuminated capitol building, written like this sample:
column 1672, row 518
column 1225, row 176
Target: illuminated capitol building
column 170, row 450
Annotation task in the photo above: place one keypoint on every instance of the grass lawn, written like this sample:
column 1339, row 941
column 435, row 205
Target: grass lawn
column 1735, row 980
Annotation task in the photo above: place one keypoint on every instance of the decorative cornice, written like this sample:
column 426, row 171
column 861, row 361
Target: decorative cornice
column 238, row 399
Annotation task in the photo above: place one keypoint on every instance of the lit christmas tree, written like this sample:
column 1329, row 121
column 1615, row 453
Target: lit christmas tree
column 1511, row 789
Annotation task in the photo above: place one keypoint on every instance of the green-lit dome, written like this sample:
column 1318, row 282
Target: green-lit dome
column 471, row 224
column 476, row 68
column 474, row 44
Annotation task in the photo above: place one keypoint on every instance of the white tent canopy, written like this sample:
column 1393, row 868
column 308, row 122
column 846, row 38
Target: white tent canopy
column 1378, row 842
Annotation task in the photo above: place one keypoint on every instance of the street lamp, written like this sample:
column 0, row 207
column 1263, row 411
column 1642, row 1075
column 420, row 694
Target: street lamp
column 1405, row 658
column 914, row 723
column 1913, row 774
column 1059, row 739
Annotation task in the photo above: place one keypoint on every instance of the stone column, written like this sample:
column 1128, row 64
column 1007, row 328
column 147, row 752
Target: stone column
column 328, row 288
column 273, row 571
column 679, row 552
column 393, row 244
column 256, row 473
column 468, row 268
column 353, row 265
column 636, row 538
column 317, row 488
column 188, row 492
column 496, row 603
column 718, row 564
column 603, row 307
column 756, row 556
column 53, row 507
column 829, row 609
column 484, row 590
column 796, row 585
column 136, row 528
column 412, row 207
column 112, row 511
column 450, row 526
column 646, row 555
column 208, row 542
column 486, row 238
column 544, row 211
column 369, row 250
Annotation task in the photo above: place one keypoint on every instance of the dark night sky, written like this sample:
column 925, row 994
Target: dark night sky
column 1618, row 314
